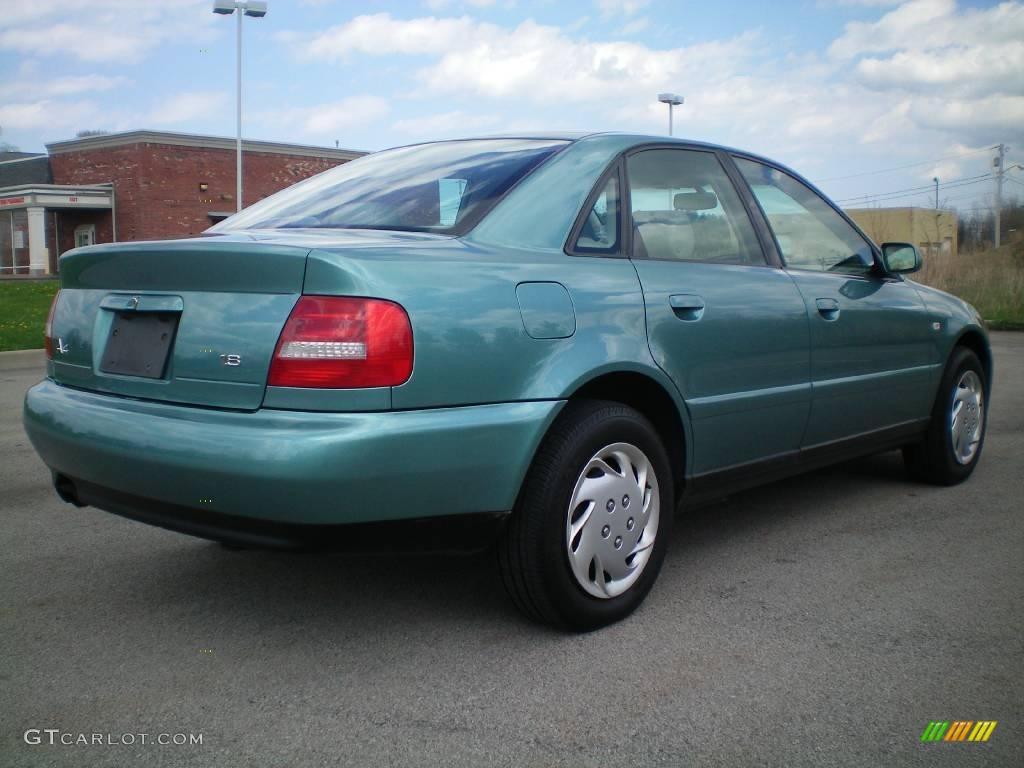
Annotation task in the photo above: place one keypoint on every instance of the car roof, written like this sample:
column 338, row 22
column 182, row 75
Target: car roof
column 629, row 137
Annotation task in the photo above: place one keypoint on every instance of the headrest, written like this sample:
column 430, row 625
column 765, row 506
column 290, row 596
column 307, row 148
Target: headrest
column 695, row 201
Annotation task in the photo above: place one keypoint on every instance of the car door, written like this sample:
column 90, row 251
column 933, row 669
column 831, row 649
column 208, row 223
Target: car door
column 727, row 326
column 871, row 366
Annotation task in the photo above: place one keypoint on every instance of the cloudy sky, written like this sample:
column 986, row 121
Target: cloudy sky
column 867, row 97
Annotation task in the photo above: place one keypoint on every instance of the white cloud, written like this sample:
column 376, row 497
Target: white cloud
column 63, row 86
column 187, row 106
column 48, row 115
column 440, row 5
column 29, row 83
column 327, row 119
column 85, row 44
column 860, row 3
column 379, row 34
column 929, row 24
column 917, row 71
column 977, row 120
column 951, row 70
column 447, row 124
column 610, row 8
column 18, row 13
column 104, row 30
column 948, row 169
column 635, row 26
column 978, row 69
column 534, row 62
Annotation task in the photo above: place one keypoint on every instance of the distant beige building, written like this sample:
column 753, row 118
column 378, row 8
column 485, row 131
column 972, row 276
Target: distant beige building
column 932, row 231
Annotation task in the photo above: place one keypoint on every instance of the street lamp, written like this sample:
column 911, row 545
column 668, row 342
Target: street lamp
column 256, row 9
column 673, row 100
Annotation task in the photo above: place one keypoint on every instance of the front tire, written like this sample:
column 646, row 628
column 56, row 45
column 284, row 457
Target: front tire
column 952, row 445
column 592, row 522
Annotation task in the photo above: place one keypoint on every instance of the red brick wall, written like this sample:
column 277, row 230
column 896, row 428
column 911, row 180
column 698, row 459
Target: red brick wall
column 157, row 185
column 121, row 165
column 68, row 219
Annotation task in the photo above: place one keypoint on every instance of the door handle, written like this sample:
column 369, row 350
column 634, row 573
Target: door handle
column 688, row 307
column 828, row 308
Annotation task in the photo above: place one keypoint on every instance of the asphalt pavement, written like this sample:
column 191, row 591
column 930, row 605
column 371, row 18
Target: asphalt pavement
column 823, row 620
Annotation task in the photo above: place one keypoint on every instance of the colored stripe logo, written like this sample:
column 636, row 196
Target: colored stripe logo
column 958, row 730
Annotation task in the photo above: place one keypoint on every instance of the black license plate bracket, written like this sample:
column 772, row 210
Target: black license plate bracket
column 139, row 344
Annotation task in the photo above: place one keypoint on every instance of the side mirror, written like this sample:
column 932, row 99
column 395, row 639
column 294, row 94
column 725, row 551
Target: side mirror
column 900, row 258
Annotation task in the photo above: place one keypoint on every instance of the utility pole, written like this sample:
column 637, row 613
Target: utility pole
column 997, row 163
column 936, row 180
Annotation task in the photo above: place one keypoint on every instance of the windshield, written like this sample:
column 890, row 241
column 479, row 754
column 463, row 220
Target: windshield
column 444, row 187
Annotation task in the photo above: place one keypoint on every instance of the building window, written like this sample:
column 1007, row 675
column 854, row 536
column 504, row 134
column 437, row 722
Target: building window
column 85, row 235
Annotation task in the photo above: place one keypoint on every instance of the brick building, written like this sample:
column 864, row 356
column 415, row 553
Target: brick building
column 138, row 185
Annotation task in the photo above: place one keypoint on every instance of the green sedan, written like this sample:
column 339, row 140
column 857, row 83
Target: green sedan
column 568, row 336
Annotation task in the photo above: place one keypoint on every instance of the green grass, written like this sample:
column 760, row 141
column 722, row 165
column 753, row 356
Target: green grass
column 993, row 281
column 24, row 305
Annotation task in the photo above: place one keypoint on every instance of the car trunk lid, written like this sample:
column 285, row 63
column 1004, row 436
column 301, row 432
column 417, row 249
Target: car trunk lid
column 190, row 321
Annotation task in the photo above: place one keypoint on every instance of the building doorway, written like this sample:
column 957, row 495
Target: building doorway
column 85, row 235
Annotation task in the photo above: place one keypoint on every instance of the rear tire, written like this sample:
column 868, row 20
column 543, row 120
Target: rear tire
column 956, row 433
column 598, row 497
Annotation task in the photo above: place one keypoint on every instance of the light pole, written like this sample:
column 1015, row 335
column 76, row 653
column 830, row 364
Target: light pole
column 673, row 100
column 256, row 9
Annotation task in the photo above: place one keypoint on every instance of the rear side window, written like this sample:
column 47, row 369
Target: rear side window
column 810, row 234
column 599, row 231
column 449, row 194
column 684, row 208
column 445, row 187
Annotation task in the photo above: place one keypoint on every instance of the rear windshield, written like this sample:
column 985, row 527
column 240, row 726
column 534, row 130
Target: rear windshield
column 445, row 187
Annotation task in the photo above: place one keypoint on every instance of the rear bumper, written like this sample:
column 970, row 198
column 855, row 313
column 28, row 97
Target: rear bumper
column 147, row 459
column 453, row 533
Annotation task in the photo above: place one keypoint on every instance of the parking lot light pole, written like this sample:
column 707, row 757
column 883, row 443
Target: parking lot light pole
column 257, row 9
column 673, row 100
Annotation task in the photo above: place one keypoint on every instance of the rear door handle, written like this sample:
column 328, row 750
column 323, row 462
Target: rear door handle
column 687, row 306
column 828, row 308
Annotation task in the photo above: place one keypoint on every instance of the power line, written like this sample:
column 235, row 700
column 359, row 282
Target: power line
column 925, row 187
column 902, row 167
column 911, row 191
column 922, row 187
column 951, row 201
column 961, row 195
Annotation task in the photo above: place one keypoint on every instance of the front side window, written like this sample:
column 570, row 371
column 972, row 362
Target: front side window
column 444, row 187
column 685, row 209
column 599, row 232
column 810, row 234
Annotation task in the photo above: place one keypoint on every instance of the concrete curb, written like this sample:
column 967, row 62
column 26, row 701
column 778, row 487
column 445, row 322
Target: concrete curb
column 22, row 358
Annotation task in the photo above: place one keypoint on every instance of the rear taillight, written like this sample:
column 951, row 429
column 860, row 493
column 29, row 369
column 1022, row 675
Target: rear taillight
column 48, row 332
column 342, row 342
